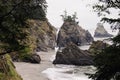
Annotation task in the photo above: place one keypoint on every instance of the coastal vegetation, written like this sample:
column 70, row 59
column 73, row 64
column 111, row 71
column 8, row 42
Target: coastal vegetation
column 107, row 61
column 15, row 38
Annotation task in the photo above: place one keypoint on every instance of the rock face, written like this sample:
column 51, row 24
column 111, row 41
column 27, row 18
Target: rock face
column 72, row 55
column 72, row 32
column 43, row 34
column 101, row 32
column 41, row 37
column 97, row 46
column 7, row 69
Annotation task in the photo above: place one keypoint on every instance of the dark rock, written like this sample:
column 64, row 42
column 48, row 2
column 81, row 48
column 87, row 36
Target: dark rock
column 101, row 32
column 35, row 58
column 32, row 58
column 97, row 46
column 72, row 32
column 72, row 55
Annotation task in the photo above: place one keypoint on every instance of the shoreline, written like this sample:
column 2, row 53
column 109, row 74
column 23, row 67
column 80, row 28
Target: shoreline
column 29, row 71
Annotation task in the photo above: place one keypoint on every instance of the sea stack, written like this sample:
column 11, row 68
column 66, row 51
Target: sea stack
column 73, row 55
column 72, row 32
column 101, row 32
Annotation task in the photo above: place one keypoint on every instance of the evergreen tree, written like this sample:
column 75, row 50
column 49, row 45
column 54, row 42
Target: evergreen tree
column 13, row 26
column 69, row 18
column 108, row 61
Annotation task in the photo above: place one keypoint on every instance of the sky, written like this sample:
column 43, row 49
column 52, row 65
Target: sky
column 87, row 18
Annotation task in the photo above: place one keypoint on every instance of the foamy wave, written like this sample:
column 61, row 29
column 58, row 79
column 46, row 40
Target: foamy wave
column 65, row 73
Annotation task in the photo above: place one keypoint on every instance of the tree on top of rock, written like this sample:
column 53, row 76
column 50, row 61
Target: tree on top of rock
column 69, row 18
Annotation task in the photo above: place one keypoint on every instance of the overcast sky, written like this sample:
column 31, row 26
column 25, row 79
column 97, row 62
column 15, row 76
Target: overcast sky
column 86, row 17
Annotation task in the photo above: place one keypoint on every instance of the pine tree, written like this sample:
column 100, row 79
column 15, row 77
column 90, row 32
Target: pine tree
column 108, row 61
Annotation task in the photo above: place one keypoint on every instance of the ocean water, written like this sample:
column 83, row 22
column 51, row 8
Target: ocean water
column 70, row 72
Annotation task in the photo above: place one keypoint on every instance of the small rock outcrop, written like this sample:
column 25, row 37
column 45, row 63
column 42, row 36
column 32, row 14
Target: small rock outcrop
column 72, row 32
column 31, row 57
column 97, row 46
column 101, row 32
column 35, row 58
column 72, row 55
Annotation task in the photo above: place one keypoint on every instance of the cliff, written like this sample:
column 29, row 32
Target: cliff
column 43, row 34
column 41, row 37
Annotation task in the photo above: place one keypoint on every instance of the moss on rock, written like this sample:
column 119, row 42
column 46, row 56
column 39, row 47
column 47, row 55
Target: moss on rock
column 7, row 69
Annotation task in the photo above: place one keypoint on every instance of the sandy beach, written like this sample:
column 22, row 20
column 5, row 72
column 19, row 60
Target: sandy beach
column 30, row 71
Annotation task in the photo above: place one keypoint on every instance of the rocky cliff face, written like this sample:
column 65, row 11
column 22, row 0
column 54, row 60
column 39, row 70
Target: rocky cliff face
column 72, row 32
column 101, row 32
column 7, row 69
column 72, row 55
column 41, row 37
column 43, row 34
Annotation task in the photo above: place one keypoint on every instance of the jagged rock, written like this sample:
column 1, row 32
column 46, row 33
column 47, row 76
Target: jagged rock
column 72, row 32
column 72, row 55
column 101, row 32
column 97, row 46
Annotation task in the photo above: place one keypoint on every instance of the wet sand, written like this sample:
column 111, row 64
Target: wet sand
column 30, row 71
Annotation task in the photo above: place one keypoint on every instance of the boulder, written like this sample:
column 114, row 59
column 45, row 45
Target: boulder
column 101, row 32
column 97, row 46
column 35, row 58
column 72, row 32
column 32, row 58
column 72, row 55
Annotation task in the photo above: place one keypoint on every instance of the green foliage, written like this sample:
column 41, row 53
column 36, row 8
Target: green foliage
column 7, row 69
column 108, row 61
column 69, row 18
column 104, row 8
column 13, row 26
column 97, row 46
column 24, row 54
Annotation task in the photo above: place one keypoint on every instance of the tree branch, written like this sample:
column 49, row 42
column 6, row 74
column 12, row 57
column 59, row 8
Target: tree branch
column 11, row 10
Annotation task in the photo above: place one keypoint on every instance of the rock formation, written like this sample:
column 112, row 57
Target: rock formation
column 72, row 55
column 97, row 46
column 101, row 32
column 41, row 37
column 72, row 32
column 43, row 34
